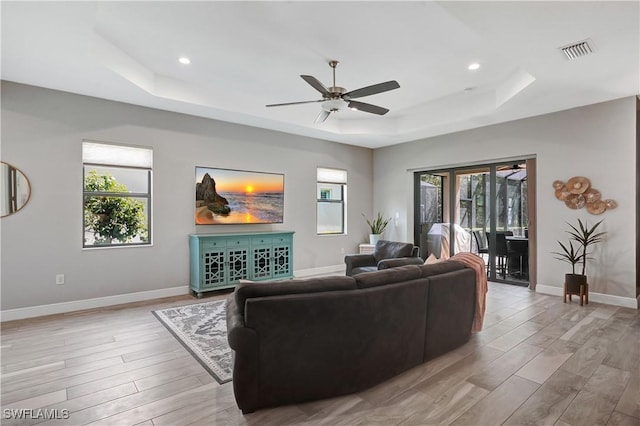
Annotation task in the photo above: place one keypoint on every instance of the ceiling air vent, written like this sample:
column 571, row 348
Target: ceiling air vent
column 575, row 50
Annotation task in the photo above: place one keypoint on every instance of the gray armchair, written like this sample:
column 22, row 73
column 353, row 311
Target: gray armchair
column 386, row 254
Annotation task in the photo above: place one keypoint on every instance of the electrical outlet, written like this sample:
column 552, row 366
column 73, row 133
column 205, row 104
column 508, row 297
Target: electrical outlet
column 60, row 279
column 342, row 250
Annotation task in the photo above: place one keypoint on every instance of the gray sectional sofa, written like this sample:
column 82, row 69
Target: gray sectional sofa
column 307, row 339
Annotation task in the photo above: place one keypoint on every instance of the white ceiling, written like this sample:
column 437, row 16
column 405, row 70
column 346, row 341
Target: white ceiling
column 248, row 54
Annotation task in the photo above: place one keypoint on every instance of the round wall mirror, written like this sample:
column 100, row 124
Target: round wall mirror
column 15, row 189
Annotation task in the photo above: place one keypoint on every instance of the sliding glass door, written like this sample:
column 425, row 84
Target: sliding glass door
column 481, row 209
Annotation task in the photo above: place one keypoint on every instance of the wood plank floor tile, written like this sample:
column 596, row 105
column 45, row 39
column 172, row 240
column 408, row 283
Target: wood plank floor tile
column 547, row 404
column 588, row 408
column 584, row 329
column 437, row 384
column 625, row 352
column 608, row 381
column 588, row 357
column 547, row 362
column 105, row 380
column 448, row 407
column 502, row 368
column 598, row 398
column 621, row 419
column 101, row 412
column 550, row 333
column 158, row 406
column 39, row 401
column 498, row 405
column 629, row 402
column 18, row 375
column 519, row 334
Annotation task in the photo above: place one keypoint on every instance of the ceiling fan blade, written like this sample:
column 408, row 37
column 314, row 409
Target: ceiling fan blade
column 296, row 103
column 371, row 90
column 374, row 109
column 322, row 116
column 315, row 83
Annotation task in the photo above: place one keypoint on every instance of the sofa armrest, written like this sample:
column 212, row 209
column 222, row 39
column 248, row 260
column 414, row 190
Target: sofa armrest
column 399, row 261
column 358, row 261
column 244, row 342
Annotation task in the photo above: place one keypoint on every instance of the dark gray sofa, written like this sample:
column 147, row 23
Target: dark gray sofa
column 308, row 339
column 386, row 254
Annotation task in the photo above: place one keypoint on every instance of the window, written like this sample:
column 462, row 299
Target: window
column 332, row 196
column 116, row 195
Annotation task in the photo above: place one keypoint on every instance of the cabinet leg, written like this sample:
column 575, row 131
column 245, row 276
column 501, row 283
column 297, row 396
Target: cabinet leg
column 199, row 295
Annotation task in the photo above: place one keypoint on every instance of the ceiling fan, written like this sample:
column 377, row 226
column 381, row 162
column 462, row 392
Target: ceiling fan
column 336, row 98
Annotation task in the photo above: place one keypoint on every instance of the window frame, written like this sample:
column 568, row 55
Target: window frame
column 342, row 183
column 147, row 196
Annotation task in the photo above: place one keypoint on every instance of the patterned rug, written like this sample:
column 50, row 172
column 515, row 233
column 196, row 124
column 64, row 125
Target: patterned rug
column 202, row 330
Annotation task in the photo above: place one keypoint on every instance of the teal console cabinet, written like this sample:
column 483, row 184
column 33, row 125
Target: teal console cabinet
column 220, row 260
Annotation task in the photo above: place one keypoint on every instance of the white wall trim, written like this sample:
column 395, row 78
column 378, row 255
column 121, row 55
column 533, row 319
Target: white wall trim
column 323, row 270
column 98, row 302
column 609, row 299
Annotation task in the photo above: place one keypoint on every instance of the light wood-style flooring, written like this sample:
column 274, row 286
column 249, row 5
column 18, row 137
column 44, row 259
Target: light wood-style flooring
column 537, row 361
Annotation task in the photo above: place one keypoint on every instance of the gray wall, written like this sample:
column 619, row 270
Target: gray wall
column 42, row 131
column 596, row 141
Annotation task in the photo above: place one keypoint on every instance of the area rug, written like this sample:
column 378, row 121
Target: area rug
column 202, row 330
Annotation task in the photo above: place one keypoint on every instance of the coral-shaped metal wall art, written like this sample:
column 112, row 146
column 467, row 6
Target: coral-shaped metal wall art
column 578, row 193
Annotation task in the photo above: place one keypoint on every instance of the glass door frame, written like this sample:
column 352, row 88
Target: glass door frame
column 451, row 174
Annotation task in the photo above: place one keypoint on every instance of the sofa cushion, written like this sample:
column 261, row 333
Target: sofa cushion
column 391, row 249
column 387, row 276
column 440, row 268
column 246, row 291
column 360, row 270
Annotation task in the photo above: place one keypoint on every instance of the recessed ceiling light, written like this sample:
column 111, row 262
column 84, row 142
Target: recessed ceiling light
column 474, row 66
column 184, row 60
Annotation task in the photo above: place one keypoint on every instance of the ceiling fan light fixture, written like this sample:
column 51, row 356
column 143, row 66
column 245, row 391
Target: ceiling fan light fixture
column 332, row 105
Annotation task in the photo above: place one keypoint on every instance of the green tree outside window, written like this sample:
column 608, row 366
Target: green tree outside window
column 112, row 217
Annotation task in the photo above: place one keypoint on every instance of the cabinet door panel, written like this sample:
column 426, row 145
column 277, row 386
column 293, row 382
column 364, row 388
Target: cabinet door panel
column 213, row 270
column 262, row 263
column 238, row 264
column 281, row 261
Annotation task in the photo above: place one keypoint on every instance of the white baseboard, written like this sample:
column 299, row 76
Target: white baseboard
column 98, row 302
column 609, row 299
column 323, row 270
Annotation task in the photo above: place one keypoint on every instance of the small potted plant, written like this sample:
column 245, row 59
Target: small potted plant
column 585, row 237
column 376, row 226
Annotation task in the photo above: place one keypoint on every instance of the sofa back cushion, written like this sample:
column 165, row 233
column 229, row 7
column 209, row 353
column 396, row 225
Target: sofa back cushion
column 391, row 249
column 387, row 276
column 321, row 345
column 246, row 291
column 440, row 268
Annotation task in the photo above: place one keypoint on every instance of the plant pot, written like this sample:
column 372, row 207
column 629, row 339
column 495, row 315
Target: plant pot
column 373, row 238
column 573, row 282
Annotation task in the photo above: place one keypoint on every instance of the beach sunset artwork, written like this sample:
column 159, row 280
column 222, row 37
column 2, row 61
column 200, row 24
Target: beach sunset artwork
column 225, row 196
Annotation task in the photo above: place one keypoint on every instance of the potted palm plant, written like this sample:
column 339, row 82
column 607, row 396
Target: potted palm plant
column 376, row 226
column 585, row 237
